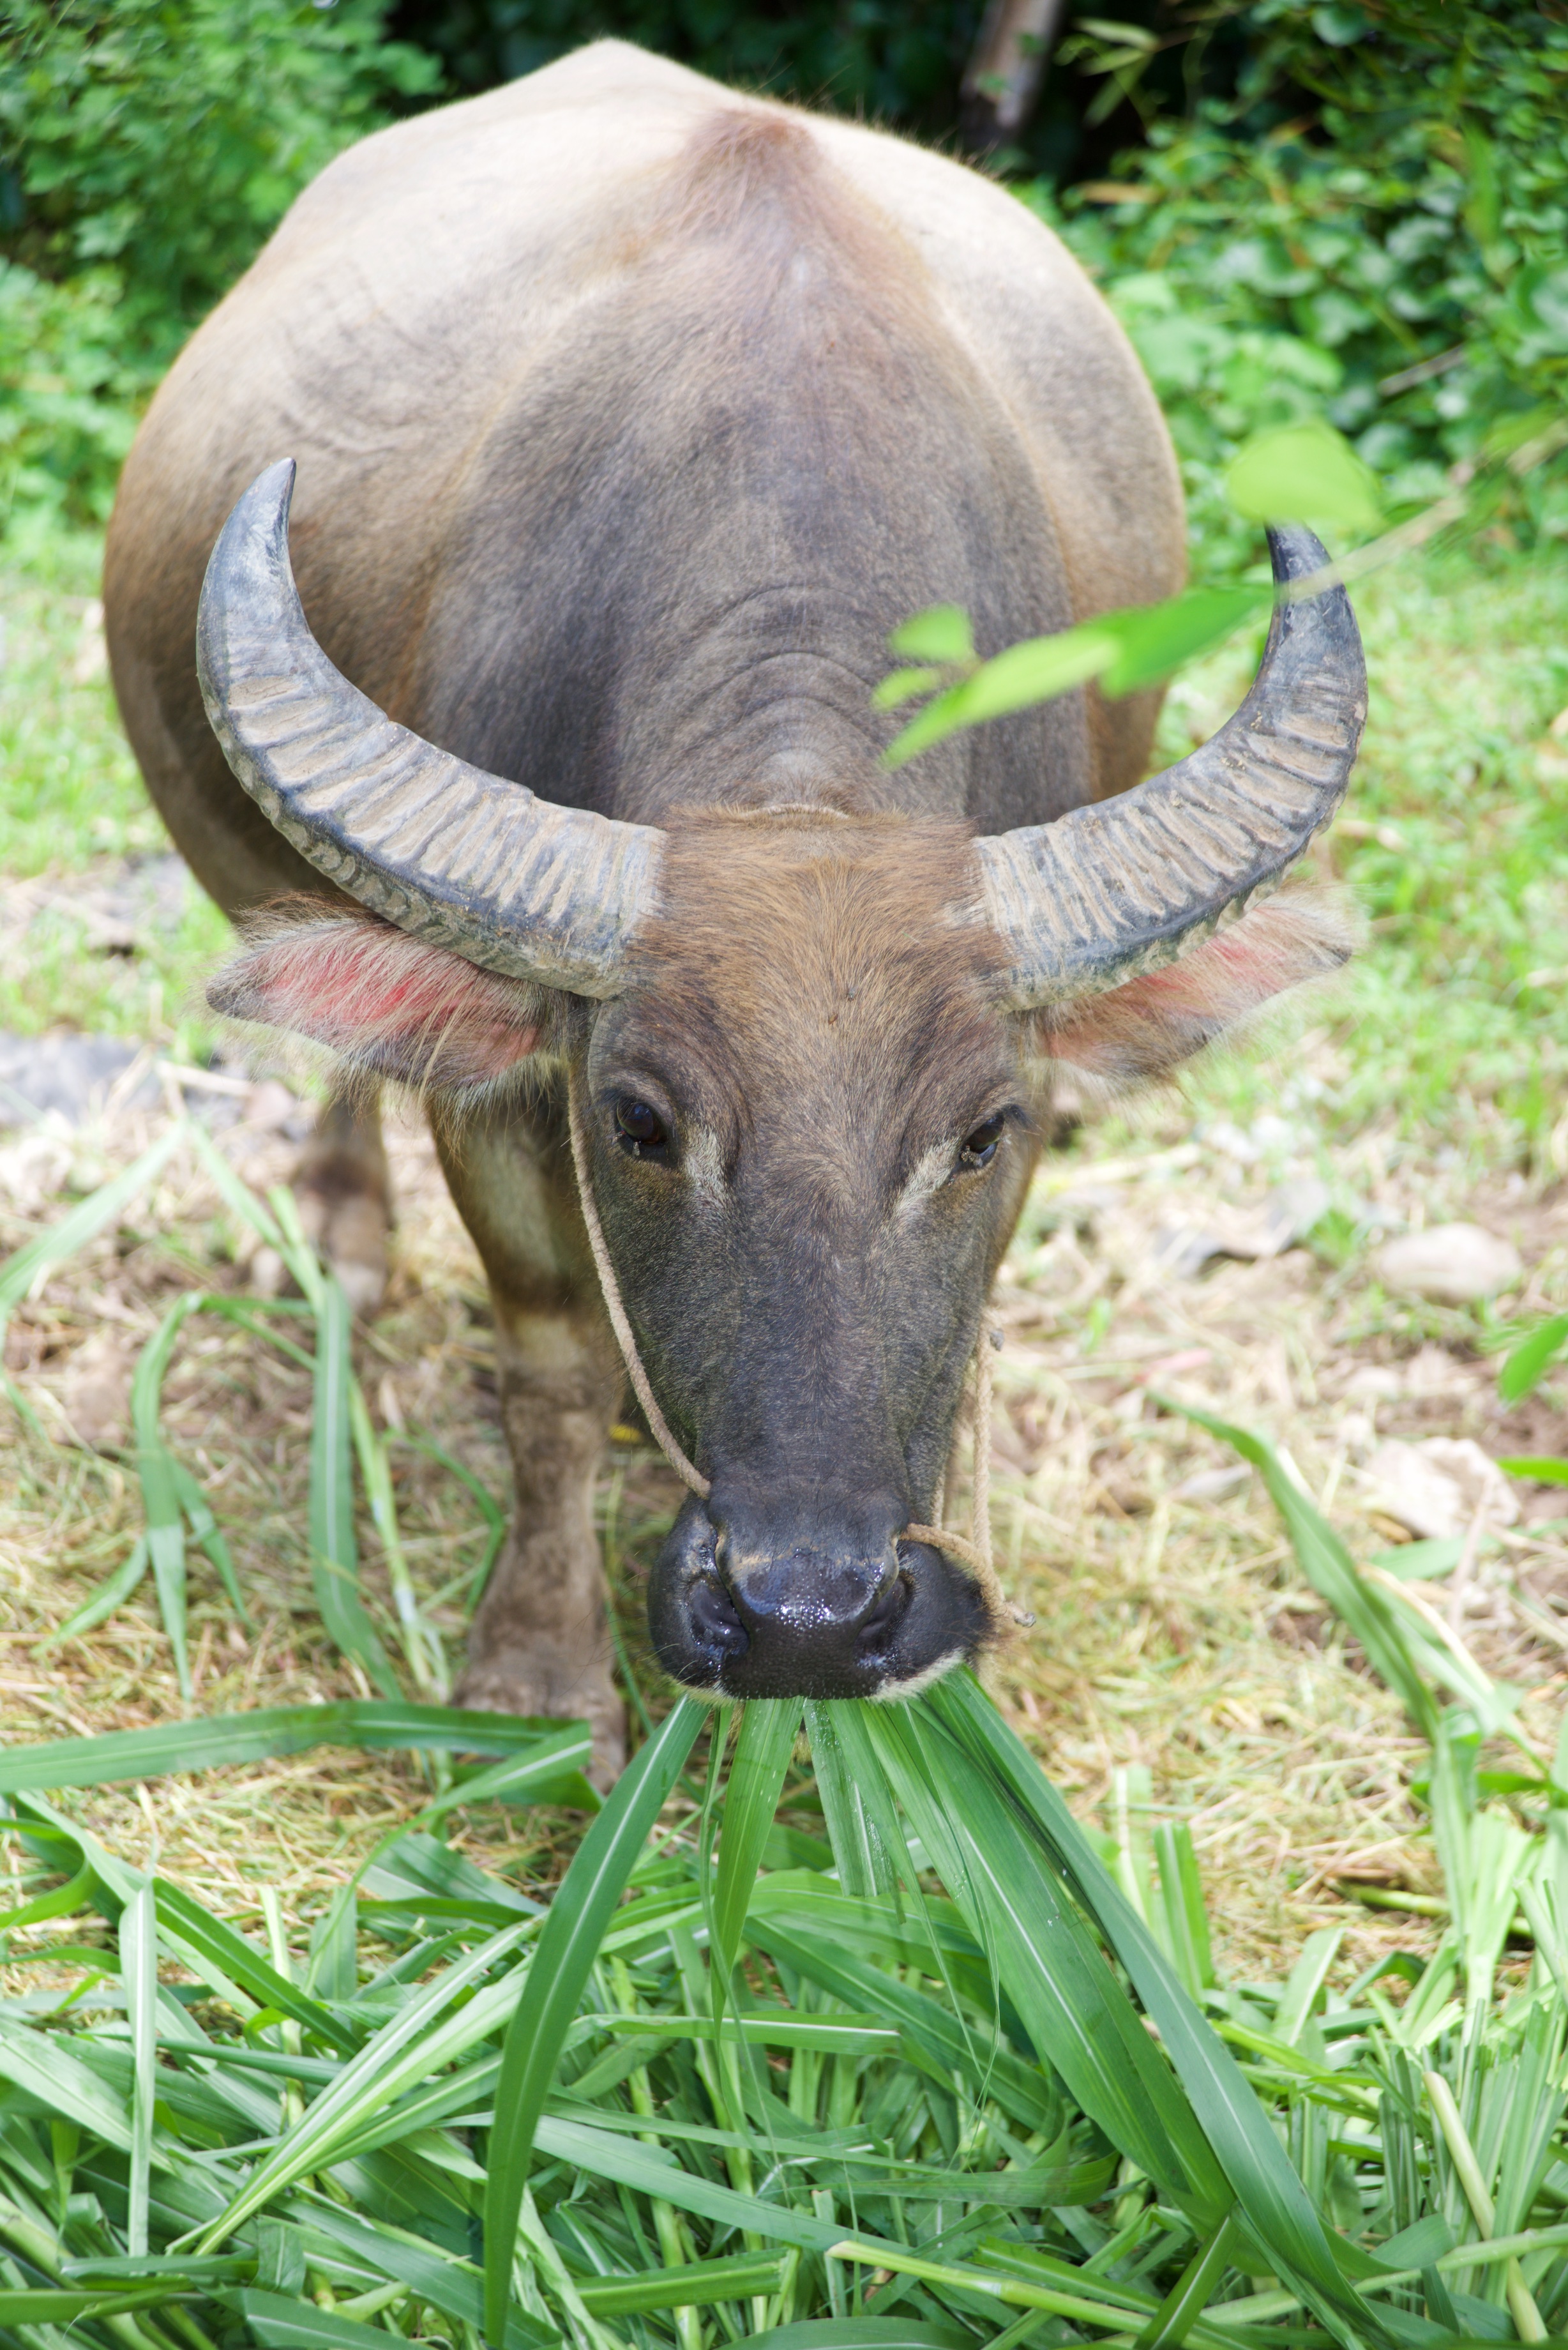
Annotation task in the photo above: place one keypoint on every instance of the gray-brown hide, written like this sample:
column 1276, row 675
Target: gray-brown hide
column 630, row 416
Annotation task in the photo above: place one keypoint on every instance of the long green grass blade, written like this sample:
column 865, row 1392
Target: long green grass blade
column 862, row 1825
column 138, row 1967
column 1071, row 2003
column 110, row 1595
column 54, row 2305
column 696, row 2282
column 421, row 1646
column 368, row 1722
column 761, row 1757
column 568, row 1945
column 239, row 1962
column 1529, row 1361
column 160, row 1486
column 63, row 2084
column 990, row 2068
column 206, row 1532
column 490, row 1509
column 84, row 1222
column 607, row 2154
column 334, row 1552
column 416, row 2044
column 63, row 1902
column 1234, row 2124
column 866, row 2333
column 1328, row 1566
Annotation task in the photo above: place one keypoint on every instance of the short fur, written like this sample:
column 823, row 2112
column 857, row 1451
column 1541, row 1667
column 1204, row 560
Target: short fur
column 631, row 416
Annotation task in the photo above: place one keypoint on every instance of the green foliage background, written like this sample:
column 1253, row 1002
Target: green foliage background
column 1357, row 213
column 147, row 150
column 1385, row 190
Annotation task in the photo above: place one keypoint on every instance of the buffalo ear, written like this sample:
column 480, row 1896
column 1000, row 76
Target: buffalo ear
column 385, row 1004
column 1150, row 1024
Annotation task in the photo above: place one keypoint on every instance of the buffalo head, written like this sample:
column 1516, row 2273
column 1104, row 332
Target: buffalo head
column 805, row 1054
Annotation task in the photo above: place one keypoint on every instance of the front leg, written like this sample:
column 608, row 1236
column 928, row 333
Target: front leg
column 539, row 1641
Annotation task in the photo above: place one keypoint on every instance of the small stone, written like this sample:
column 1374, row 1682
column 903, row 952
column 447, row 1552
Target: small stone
column 1435, row 1489
column 1451, row 1264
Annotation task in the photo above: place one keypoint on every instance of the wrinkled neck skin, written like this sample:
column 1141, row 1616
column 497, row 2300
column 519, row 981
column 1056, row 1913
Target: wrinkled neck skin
column 806, row 1264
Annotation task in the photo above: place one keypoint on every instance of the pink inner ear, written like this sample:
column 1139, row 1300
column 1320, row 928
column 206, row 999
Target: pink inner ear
column 390, row 1005
column 1151, row 1023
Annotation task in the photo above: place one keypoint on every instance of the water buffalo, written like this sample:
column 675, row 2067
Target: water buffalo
column 631, row 415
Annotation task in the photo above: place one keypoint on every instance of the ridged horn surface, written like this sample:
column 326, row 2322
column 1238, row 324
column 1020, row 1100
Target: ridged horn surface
column 1106, row 892
column 445, row 850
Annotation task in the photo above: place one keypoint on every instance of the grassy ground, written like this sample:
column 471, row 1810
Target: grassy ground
column 1173, row 1635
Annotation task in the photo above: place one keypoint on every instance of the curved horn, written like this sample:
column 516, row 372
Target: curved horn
column 1108, row 891
column 462, row 857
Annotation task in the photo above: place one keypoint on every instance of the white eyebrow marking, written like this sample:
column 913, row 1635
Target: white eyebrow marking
column 931, row 1171
column 703, row 1165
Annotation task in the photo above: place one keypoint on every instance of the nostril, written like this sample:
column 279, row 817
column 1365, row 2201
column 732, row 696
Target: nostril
column 886, row 1617
column 714, row 1619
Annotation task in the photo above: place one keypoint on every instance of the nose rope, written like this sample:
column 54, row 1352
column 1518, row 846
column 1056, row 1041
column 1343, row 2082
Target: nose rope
column 974, row 1551
column 663, row 1435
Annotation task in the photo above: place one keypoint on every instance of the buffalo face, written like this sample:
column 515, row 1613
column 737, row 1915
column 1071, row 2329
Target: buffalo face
column 808, row 1142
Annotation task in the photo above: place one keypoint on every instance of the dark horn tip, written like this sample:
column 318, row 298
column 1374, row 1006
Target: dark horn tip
column 1294, row 552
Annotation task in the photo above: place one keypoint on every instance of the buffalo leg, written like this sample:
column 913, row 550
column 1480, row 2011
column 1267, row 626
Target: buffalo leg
column 539, row 1642
column 344, row 1196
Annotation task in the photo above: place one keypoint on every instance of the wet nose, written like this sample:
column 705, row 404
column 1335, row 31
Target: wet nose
column 763, row 1599
column 818, row 1592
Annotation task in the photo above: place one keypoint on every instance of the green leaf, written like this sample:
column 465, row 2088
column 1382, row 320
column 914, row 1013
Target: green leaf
column 1182, row 1898
column 448, row 2284
column 83, row 1223
column 160, row 1490
column 211, row 1940
column 990, row 2068
column 1525, row 1368
column 1304, row 473
column 110, row 1594
column 1035, row 670
column 371, row 1723
column 761, row 1757
column 417, row 2043
column 62, row 2083
column 569, row 1946
column 1235, row 2127
column 901, row 685
column 688, row 2286
column 862, row 1824
column 1126, row 650
column 1071, row 2003
column 50, row 2306
column 941, row 634
column 866, row 2333
column 138, row 1969
column 646, row 2171
column 1329, row 1569
column 1156, row 638
column 1543, row 1470
column 63, row 1902
column 284, row 2324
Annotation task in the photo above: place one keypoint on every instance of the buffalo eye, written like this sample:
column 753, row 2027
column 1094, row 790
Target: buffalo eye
column 979, row 1147
column 640, row 1131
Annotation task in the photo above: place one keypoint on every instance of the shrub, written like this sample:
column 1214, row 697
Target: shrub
column 1392, row 254
column 146, row 150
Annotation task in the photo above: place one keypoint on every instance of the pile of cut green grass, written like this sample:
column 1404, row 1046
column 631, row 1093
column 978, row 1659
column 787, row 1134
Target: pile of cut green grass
column 945, row 2075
